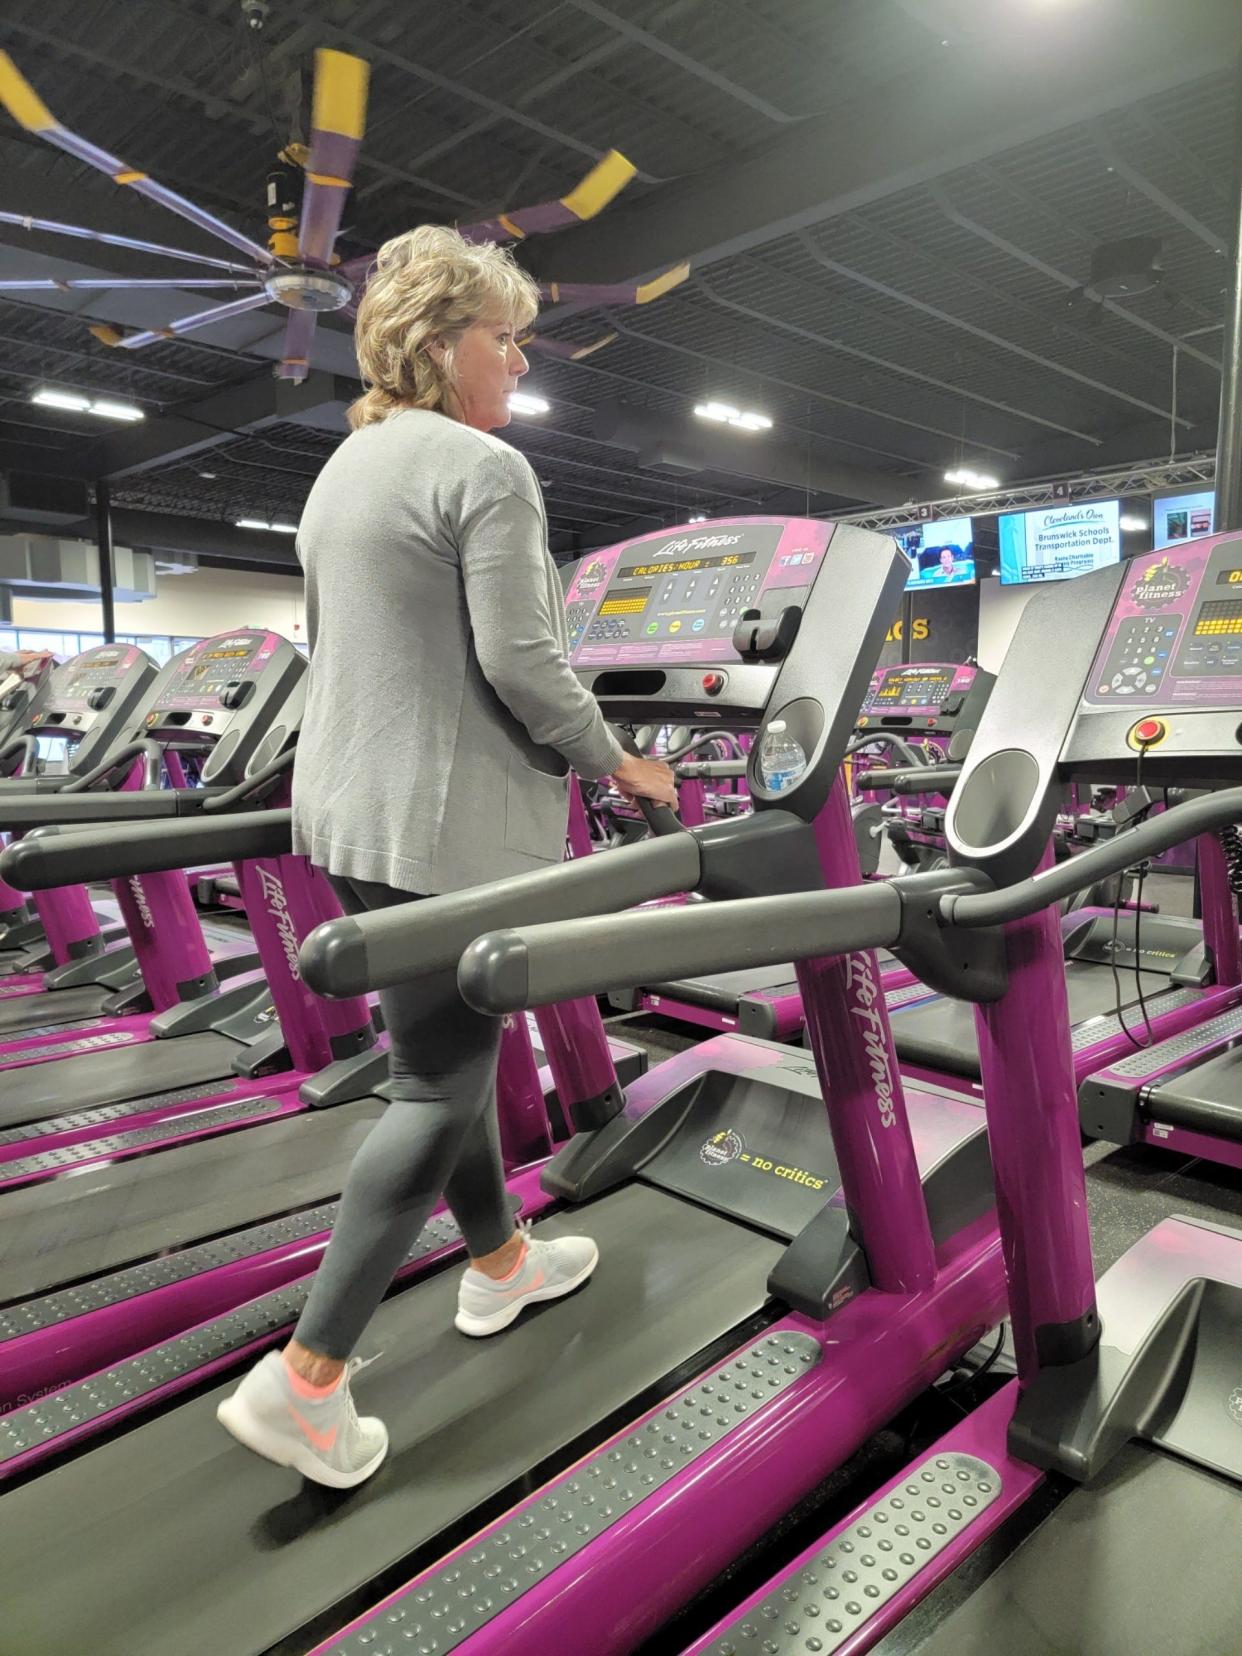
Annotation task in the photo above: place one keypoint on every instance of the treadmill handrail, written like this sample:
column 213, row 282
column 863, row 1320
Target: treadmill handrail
column 24, row 746
column 1113, row 856
column 144, row 748
column 697, row 768
column 39, row 862
column 41, row 810
column 252, row 787
column 923, row 779
column 521, row 967
column 428, row 935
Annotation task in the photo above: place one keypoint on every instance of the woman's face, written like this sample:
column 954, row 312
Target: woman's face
column 486, row 367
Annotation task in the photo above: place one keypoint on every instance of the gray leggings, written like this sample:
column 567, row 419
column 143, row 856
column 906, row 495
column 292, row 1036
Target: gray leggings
column 438, row 1137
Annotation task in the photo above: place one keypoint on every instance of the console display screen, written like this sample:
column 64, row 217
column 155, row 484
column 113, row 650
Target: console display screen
column 919, row 687
column 1058, row 542
column 677, row 596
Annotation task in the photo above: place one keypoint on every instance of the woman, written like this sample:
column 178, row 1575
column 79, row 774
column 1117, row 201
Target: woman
column 441, row 717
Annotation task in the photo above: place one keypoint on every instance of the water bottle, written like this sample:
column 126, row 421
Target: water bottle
column 781, row 761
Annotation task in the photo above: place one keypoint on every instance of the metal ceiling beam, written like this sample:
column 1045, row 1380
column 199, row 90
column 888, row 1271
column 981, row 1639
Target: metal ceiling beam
column 692, row 65
column 624, row 328
column 1070, row 283
column 1140, row 182
column 549, row 83
column 898, row 368
column 947, row 317
column 978, row 103
column 163, row 532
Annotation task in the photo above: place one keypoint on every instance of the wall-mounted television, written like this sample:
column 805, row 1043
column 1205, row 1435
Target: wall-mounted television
column 941, row 554
column 1176, row 518
column 1058, row 542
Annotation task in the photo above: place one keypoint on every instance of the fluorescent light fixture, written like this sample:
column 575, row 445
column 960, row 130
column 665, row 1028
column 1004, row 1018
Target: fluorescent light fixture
column 62, row 399
column 283, row 528
column 522, row 402
column 1132, row 525
column 109, row 410
column 697, row 517
column 251, row 523
column 74, row 402
column 969, row 479
column 726, row 414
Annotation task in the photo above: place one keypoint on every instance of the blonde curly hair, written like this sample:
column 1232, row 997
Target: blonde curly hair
column 428, row 286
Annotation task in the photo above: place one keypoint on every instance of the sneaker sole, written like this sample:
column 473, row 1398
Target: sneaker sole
column 478, row 1328
column 252, row 1435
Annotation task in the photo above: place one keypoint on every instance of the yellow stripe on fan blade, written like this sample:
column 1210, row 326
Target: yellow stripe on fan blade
column 340, row 98
column 21, row 100
column 604, row 181
column 328, row 181
column 658, row 286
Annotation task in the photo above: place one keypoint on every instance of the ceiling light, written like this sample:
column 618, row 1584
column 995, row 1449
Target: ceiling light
column 969, row 479
column 522, row 402
column 251, row 523
column 62, row 399
column 210, row 476
column 697, row 517
column 73, row 401
column 726, row 414
column 109, row 410
column 283, row 528
column 1131, row 524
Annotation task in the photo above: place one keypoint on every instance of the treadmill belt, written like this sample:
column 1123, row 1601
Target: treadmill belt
column 55, row 1233
column 722, row 989
column 1143, row 1563
column 940, row 1033
column 1208, row 1098
column 37, row 1092
column 51, row 1006
column 174, row 1538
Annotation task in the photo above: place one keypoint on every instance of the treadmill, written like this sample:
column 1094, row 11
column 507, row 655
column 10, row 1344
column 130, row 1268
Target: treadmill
column 18, row 927
column 1094, row 1504
column 935, row 702
column 700, row 1347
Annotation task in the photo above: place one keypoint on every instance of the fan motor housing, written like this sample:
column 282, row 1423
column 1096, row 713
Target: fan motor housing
column 304, row 288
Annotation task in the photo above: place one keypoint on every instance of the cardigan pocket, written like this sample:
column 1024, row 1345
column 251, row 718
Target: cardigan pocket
column 536, row 812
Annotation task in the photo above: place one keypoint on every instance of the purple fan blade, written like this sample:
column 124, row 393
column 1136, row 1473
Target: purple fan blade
column 338, row 119
column 604, row 181
column 28, row 110
column 100, row 284
column 615, row 293
column 565, row 348
column 295, row 360
column 188, row 324
column 54, row 227
column 357, row 269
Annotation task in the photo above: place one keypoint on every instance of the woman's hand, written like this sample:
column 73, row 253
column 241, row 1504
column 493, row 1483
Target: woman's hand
column 646, row 779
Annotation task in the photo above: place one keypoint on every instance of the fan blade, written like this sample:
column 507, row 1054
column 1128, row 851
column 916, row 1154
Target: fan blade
column 565, row 349
column 615, row 293
column 54, row 227
column 183, row 324
column 605, row 181
column 101, row 284
column 28, row 110
column 338, row 120
column 299, row 331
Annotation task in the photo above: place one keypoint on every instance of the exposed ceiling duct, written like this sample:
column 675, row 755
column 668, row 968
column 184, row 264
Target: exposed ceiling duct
column 38, row 566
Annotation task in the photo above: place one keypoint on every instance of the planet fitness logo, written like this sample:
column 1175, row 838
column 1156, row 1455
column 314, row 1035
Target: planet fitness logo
column 1234, row 1405
column 722, row 1148
column 1159, row 584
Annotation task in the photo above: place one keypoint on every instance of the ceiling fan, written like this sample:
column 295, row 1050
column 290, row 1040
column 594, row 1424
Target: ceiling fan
column 298, row 268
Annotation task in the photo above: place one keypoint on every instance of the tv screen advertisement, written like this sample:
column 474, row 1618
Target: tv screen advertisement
column 1056, row 543
column 1177, row 518
column 941, row 554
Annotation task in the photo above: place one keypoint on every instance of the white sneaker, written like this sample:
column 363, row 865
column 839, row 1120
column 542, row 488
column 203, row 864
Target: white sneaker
column 320, row 1437
column 549, row 1270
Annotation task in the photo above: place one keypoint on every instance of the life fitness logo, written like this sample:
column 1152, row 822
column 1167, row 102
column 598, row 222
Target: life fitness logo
column 863, row 996
column 278, row 907
column 140, row 902
column 694, row 543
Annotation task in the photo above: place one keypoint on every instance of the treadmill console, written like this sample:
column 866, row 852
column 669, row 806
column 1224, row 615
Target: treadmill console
column 651, row 621
column 220, row 696
column 30, row 668
column 89, row 701
column 1166, row 682
column 925, row 698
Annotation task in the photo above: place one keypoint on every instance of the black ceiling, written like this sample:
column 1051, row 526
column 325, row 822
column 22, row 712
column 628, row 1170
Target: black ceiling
column 887, row 204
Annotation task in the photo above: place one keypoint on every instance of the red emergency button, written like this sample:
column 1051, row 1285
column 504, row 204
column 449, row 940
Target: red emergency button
column 208, row 719
column 1147, row 732
column 713, row 683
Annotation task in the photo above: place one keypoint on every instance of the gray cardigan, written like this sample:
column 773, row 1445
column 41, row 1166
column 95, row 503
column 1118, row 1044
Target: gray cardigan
column 442, row 712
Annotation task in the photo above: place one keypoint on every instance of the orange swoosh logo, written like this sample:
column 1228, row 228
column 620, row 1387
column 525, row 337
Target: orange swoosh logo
column 323, row 1441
